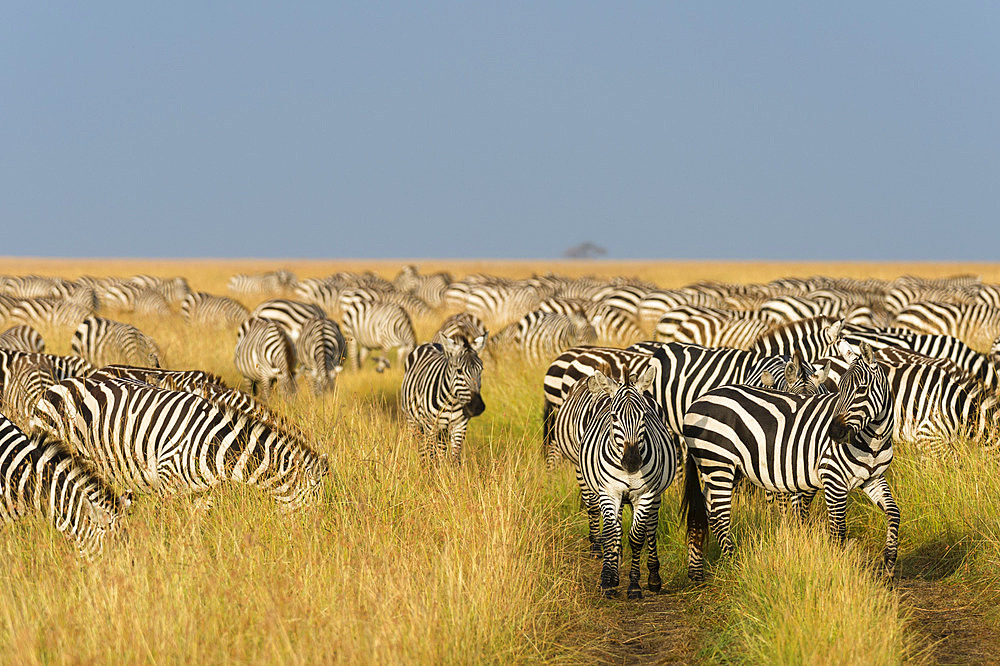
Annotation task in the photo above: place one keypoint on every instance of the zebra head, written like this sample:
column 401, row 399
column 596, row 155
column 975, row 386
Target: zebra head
column 464, row 374
column 627, row 407
column 303, row 472
column 865, row 404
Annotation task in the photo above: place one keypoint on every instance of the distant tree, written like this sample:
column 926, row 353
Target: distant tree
column 585, row 250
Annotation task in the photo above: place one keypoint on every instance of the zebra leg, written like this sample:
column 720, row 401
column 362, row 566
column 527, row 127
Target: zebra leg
column 836, row 505
column 719, row 493
column 653, row 559
column 612, row 543
column 590, row 502
column 457, row 432
column 354, row 353
column 637, row 542
column 801, row 501
column 878, row 491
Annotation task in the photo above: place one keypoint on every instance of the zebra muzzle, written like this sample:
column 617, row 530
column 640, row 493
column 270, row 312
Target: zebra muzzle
column 475, row 407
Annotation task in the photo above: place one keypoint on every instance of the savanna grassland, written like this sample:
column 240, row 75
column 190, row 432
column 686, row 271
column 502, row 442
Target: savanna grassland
column 487, row 562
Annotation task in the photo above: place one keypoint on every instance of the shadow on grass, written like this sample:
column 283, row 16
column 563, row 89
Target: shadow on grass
column 381, row 400
column 936, row 559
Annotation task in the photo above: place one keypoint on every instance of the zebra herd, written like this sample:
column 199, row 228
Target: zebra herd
column 796, row 385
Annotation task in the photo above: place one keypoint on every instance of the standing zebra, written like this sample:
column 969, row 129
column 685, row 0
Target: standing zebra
column 440, row 393
column 103, row 341
column 377, row 325
column 970, row 322
column 38, row 474
column 150, row 439
column 788, row 443
column 465, row 325
column 28, row 377
column 320, row 349
column 627, row 455
column 265, row 356
column 541, row 334
column 290, row 315
column 22, row 338
column 201, row 309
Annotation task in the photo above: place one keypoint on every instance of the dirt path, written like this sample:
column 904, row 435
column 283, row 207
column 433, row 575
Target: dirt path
column 951, row 622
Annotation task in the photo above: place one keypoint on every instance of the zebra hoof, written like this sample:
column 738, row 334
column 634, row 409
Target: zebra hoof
column 596, row 551
column 609, row 592
column 655, row 587
column 634, row 592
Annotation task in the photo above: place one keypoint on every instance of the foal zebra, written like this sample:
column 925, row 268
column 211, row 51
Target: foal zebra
column 149, row 439
column 626, row 455
column 103, row 341
column 265, row 356
column 38, row 474
column 790, row 444
column 440, row 393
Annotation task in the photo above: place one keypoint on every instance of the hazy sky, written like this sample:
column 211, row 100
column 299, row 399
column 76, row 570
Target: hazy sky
column 750, row 130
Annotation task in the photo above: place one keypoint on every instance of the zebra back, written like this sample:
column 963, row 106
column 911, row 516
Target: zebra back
column 22, row 338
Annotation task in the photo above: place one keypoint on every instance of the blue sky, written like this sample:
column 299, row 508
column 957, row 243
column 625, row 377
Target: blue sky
column 851, row 131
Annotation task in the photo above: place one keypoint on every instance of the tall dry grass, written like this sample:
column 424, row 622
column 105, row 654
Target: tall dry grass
column 481, row 563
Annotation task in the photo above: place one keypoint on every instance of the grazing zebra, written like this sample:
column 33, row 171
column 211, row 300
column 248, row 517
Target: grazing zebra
column 981, row 366
column 149, row 439
column 788, row 443
column 174, row 289
column 265, row 357
column 320, row 351
column 428, row 288
column 810, row 337
column 627, row 455
column 49, row 311
column 965, row 321
column 290, row 315
column 715, row 330
column 128, row 296
column 27, row 378
column 440, row 393
column 39, row 475
column 201, row 309
column 463, row 325
column 103, row 341
column 261, row 283
column 541, row 334
column 377, row 325
column 61, row 366
column 22, row 338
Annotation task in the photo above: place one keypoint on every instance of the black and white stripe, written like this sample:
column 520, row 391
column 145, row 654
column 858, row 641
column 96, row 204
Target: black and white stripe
column 153, row 440
column 320, row 350
column 265, row 357
column 202, row 309
column 290, row 315
column 626, row 455
column 22, row 338
column 441, row 391
column 377, row 325
column 788, row 443
column 103, row 341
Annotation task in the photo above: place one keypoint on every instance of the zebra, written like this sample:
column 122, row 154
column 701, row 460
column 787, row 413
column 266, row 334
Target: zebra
column 265, row 357
column 201, row 309
column 464, row 325
column 441, row 391
column 61, row 366
column 320, row 350
column 22, row 338
column 290, row 315
column 133, row 297
column 49, row 311
column 377, row 325
column 153, row 440
column 428, row 288
column 708, row 329
column 270, row 282
column 103, row 341
column 975, row 364
column 38, row 474
column 627, row 455
column 28, row 376
column 174, row 289
column 541, row 334
column 413, row 305
column 963, row 321
column 789, row 443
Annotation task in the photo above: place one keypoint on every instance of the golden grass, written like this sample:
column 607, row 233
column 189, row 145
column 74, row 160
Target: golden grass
column 478, row 564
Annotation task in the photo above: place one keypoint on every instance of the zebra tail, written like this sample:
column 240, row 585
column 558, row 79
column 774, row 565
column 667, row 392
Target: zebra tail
column 548, row 418
column 693, row 501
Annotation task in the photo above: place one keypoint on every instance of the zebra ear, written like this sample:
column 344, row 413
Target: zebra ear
column 479, row 343
column 767, row 379
column 847, row 351
column 645, row 381
column 98, row 514
column 866, row 353
column 820, row 377
column 792, row 369
column 599, row 384
column 450, row 346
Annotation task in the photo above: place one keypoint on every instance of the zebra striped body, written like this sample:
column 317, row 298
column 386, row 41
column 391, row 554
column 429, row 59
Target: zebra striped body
column 22, row 338
column 29, row 376
column 626, row 455
column 39, row 475
column 290, row 315
column 320, row 350
column 377, row 325
column 61, row 366
column 964, row 321
column 103, row 341
column 272, row 282
column 49, row 311
column 265, row 356
column 541, row 335
column 440, row 393
column 153, row 440
column 201, row 309
column 463, row 325
column 788, row 443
